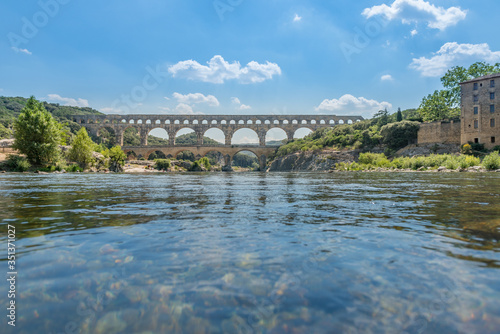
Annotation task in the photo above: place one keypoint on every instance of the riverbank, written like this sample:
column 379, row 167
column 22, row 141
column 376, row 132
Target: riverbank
column 476, row 169
column 324, row 161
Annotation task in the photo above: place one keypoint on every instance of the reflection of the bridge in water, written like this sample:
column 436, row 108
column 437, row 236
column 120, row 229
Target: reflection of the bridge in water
column 200, row 124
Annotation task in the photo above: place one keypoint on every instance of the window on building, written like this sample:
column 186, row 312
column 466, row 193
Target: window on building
column 475, row 85
column 492, row 96
column 476, row 140
column 476, row 110
column 476, row 124
column 493, row 140
column 492, row 83
column 492, row 122
column 476, row 98
column 492, row 108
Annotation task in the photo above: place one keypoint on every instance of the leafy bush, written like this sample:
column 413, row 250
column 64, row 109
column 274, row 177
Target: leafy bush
column 162, row 164
column 417, row 162
column 74, row 168
column 466, row 161
column 398, row 135
column 466, row 149
column 82, row 148
column 477, row 149
column 492, row 161
column 451, row 163
column 496, row 148
column 116, row 158
column 196, row 166
column 205, row 163
column 369, row 158
column 17, row 163
column 48, row 169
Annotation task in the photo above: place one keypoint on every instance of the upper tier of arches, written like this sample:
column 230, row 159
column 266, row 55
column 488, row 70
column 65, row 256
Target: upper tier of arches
column 157, row 120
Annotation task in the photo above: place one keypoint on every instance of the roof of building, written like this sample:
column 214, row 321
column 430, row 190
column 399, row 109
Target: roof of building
column 486, row 77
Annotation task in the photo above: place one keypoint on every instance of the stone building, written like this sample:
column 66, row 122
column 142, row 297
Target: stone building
column 480, row 119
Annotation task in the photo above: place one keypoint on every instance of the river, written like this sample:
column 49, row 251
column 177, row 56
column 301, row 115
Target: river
column 253, row 253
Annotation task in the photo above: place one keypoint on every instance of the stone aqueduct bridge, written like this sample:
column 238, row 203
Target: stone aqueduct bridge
column 229, row 124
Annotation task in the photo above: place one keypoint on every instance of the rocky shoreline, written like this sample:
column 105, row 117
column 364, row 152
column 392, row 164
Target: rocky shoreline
column 312, row 161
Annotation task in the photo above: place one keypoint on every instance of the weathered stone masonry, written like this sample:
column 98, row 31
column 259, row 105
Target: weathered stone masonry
column 228, row 124
column 481, row 111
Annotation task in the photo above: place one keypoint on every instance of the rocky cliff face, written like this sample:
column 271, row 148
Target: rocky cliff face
column 311, row 161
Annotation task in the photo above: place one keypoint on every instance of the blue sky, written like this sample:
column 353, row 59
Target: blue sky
column 240, row 56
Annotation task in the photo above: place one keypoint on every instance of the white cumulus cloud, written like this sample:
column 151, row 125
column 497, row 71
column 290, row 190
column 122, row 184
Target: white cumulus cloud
column 26, row 51
column 236, row 101
column 194, row 98
column 351, row 105
column 297, row 18
column 452, row 54
column 417, row 11
column 67, row 101
column 185, row 109
column 180, row 109
column 386, row 77
column 414, row 32
column 218, row 71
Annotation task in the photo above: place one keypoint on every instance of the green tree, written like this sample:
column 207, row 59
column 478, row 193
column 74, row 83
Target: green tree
column 399, row 116
column 437, row 106
column 37, row 134
column 398, row 135
column 382, row 116
column 117, row 158
column 205, row 163
column 82, row 148
column 452, row 79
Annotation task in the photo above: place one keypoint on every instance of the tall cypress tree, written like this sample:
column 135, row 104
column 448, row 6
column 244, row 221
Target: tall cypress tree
column 399, row 116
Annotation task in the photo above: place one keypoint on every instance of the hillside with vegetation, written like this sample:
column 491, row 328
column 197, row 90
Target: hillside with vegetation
column 382, row 131
column 10, row 108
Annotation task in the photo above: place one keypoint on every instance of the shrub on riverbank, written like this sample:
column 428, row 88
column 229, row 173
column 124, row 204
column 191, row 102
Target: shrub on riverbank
column 201, row 165
column 492, row 161
column 116, row 158
column 370, row 161
column 162, row 164
column 17, row 163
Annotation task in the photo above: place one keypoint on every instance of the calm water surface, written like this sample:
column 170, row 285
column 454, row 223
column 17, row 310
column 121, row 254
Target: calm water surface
column 253, row 253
